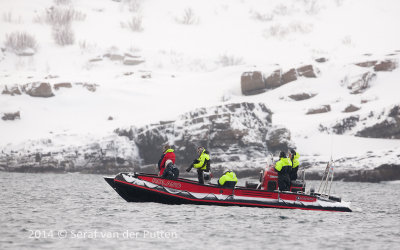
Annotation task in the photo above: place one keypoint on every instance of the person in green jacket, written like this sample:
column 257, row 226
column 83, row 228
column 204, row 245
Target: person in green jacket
column 283, row 167
column 202, row 164
column 228, row 180
column 294, row 157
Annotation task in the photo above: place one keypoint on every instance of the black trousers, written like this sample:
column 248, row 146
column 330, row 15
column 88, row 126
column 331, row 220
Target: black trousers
column 284, row 179
column 293, row 173
column 200, row 176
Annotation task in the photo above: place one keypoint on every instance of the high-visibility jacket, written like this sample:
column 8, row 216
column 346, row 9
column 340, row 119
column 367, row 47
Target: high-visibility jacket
column 296, row 162
column 228, row 176
column 282, row 163
column 202, row 161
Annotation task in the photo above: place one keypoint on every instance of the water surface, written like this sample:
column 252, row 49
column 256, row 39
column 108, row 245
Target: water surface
column 80, row 211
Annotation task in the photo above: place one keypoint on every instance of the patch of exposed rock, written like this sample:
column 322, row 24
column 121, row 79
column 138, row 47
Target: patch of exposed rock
column 384, row 124
column 319, row 110
column 359, row 83
column 351, row 108
column 344, row 125
column 386, row 65
column 252, row 83
column 232, row 132
column 38, row 89
column 279, row 77
column 321, row 60
column 58, row 86
column 11, row 90
column 388, row 128
column 11, row 116
column 302, row 96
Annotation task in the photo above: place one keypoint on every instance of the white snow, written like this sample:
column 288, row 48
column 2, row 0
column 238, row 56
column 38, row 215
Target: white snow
column 188, row 69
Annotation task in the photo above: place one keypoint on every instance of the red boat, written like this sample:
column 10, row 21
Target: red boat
column 139, row 187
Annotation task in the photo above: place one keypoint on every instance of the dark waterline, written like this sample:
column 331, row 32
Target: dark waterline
column 63, row 211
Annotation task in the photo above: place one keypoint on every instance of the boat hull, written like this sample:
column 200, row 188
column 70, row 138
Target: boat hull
column 151, row 188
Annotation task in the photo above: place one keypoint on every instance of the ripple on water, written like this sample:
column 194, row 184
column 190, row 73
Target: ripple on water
column 75, row 207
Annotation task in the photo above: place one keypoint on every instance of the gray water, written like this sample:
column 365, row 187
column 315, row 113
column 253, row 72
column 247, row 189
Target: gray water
column 80, row 211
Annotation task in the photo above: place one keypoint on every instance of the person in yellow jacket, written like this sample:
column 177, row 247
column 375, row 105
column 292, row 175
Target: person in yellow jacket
column 294, row 157
column 283, row 167
column 228, row 179
column 202, row 164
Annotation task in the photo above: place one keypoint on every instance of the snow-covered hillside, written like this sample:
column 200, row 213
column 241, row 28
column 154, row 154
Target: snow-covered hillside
column 73, row 72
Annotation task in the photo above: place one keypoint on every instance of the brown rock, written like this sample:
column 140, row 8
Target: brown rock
column 252, row 83
column 367, row 64
column 38, row 89
column 307, row 71
column 289, row 76
column 11, row 116
column 116, row 57
column 387, row 65
column 13, row 90
column 323, row 109
column 274, row 80
column 321, row 60
column 57, row 86
column 351, row 108
column 302, row 96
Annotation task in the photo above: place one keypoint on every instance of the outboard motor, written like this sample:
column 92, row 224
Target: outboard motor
column 269, row 179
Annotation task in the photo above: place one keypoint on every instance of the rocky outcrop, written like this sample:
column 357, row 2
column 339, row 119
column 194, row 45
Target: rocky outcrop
column 277, row 78
column 351, row 108
column 385, row 172
column 322, row 109
column 12, row 90
column 274, row 80
column 11, row 116
column 359, row 83
column 252, row 83
column 307, row 71
column 289, row 76
column 386, row 65
column 345, row 125
column 232, row 132
column 108, row 155
column 278, row 140
column 57, row 86
column 38, row 89
column 301, row 96
column 384, row 124
column 388, row 128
